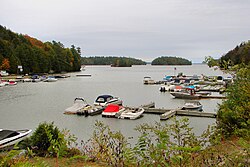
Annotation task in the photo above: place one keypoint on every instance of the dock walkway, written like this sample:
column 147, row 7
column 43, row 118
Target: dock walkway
column 168, row 113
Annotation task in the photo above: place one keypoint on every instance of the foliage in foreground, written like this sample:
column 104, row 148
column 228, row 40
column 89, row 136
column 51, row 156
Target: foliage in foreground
column 48, row 141
column 234, row 113
column 158, row 145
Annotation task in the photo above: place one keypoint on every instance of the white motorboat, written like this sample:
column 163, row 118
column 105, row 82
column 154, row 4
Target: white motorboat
column 36, row 78
column 11, row 137
column 104, row 100
column 131, row 113
column 4, row 82
column 78, row 106
column 113, row 110
column 148, row 81
column 50, row 79
column 27, row 80
column 167, row 87
column 192, row 105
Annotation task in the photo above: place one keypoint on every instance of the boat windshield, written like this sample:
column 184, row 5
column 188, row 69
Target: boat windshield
column 7, row 133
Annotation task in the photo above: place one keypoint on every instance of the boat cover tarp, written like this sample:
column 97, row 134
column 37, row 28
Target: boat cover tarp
column 112, row 108
column 76, row 107
column 178, row 87
column 7, row 133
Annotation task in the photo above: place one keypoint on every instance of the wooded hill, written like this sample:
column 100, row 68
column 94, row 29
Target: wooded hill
column 240, row 54
column 165, row 60
column 34, row 55
column 113, row 61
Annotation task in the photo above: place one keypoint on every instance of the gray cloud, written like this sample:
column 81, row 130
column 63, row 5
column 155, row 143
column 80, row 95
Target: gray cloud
column 143, row 29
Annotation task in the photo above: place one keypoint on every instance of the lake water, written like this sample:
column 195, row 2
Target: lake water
column 28, row 104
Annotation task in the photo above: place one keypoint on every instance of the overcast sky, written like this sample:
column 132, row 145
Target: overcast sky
column 143, row 29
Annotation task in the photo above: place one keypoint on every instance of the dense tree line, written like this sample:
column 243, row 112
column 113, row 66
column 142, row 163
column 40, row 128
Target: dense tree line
column 114, row 61
column 35, row 56
column 165, row 60
column 237, row 56
column 240, row 54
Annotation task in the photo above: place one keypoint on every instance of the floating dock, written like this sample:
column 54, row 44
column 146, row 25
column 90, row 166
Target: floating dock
column 149, row 105
column 213, row 97
column 168, row 113
column 83, row 75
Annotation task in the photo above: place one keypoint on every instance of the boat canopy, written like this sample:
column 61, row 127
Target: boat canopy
column 112, row 108
column 190, row 87
column 103, row 98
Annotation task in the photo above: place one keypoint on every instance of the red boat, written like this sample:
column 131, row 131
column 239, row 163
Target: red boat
column 113, row 110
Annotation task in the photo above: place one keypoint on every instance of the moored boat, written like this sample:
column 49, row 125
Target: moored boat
column 27, row 80
column 192, row 105
column 79, row 104
column 50, row 79
column 132, row 113
column 12, row 83
column 11, row 137
column 104, row 100
column 148, row 81
column 113, row 110
column 167, row 87
column 186, row 94
column 90, row 110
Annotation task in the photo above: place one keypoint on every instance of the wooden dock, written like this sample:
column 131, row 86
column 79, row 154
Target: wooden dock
column 83, row 75
column 168, row 113
column 81, row 112
column 149, row 105
column 213, row 97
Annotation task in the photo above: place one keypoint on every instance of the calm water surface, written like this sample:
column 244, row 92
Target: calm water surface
column 28, row 104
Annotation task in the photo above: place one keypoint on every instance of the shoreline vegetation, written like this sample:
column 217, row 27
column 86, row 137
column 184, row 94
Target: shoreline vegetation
column 27, row 55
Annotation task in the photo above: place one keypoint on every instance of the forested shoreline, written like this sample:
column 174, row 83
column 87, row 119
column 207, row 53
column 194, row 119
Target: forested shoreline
column 35, row 56
column 239, row 55
column 114, row 61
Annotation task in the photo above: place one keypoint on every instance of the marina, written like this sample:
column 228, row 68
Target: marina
column 27, row 104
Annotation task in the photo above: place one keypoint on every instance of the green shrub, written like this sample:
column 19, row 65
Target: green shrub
column 234, row 113
column 106, row 146
column 48, row 140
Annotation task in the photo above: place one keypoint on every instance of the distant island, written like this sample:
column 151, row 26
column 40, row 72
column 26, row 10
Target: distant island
column 112, row 60
column 27, row 55
column 168, row 60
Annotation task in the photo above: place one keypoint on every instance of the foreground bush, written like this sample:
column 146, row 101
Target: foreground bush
column 48, row 140
column 158, row 145
column 234, row 113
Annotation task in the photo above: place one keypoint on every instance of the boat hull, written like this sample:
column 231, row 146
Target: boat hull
column 131, row 113
column 185, row 95
column 10, row 141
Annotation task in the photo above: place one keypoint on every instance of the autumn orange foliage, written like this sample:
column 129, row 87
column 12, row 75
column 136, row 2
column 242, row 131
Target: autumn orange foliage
column 35, row 42
column 5, row 64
